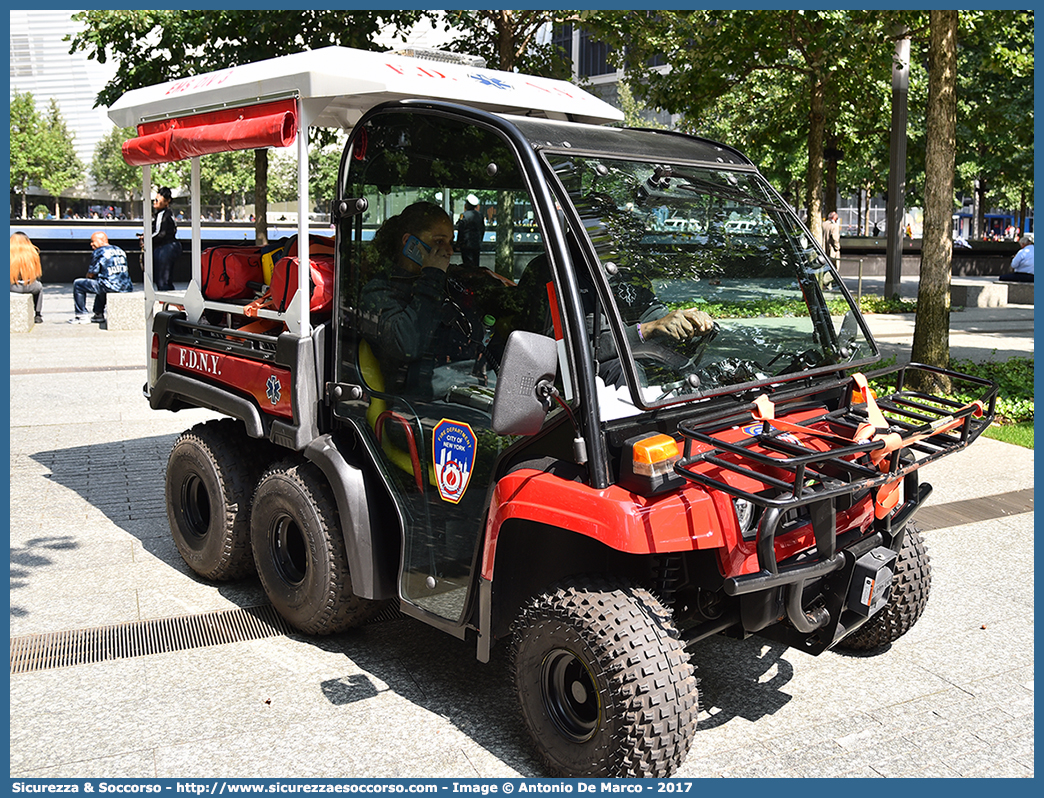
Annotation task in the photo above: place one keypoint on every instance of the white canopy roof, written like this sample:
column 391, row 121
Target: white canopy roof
column 339, row 84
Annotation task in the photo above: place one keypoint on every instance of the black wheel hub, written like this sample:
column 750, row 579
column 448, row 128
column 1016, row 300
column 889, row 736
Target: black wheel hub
column 195, row 505
column 289, row 552
column 570, row 695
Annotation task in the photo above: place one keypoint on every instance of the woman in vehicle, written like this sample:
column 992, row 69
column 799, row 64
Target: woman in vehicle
column 402, row 306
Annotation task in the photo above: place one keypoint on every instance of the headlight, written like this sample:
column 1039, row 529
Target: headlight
column 746, row 514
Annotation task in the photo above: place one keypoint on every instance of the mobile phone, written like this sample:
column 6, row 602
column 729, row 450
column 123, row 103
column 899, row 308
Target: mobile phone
column 415, row 249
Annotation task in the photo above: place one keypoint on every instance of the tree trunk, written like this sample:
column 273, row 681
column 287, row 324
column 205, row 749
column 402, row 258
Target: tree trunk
column 980, row 208
column 505, row 238
column 1022, row 212
column 816, row 128
column 506, row 39
column 831, row 154
column 931, row 343
column 261, row 197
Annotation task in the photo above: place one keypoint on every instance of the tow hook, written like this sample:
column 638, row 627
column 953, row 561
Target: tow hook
column 804, row 620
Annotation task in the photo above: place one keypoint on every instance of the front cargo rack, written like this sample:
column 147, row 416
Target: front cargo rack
column 872, row 441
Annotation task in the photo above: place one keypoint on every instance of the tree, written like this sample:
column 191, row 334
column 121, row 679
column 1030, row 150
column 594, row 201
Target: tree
column 225, row 178
column 62, row 167
column 147, row 43
column 931, row 342
column 42, row 152
column 26, row 167
column 108, row 167
column 323, row 163
column 717, row 57
column 995, row 109
column 507, row 40
column 632, row 109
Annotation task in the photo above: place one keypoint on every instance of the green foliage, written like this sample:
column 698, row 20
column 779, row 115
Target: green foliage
column 780, row 85
column 1014, row 407
column 63, row 168
column 1019, row 433
column 1014, row 378
column 42, row 152
column 26, row 169
column 632, row 109
column 108, row 167
column 154, row 46
column 744, row 78
column 995, row 105
column 777, row 308
column 871, row 303
column 40, row 212
column 508, row 40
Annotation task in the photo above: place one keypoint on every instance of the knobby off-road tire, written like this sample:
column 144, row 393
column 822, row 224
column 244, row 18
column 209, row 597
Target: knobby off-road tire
column 603, row 683
column 211, row 474
column 299, row 551
column 911, row 584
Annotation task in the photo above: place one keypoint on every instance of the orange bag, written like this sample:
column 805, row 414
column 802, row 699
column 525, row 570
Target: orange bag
column 321, row 274
column 228, row 271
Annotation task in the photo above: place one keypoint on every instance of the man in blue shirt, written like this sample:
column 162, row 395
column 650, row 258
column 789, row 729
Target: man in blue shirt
column 107, row 273
column 1022, row 263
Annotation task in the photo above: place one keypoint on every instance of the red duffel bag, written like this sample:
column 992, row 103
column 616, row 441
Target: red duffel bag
column 321, row 277
column 228, row 271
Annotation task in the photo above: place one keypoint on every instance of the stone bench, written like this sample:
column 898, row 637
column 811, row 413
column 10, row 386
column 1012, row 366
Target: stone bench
column 1020, row 293
column 125, row 311
column 23, row 313
column 979, row 295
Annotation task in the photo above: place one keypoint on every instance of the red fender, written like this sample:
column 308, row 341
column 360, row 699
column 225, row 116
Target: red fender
column 684, row 520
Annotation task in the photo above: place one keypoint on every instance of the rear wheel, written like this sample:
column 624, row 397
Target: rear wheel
column 299, row 551
column 911, row 584
column 604, row 685
column 211, row 473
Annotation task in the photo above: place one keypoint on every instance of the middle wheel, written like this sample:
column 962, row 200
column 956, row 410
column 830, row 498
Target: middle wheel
column 299, row 551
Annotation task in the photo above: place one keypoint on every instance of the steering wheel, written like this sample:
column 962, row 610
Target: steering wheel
column 662, row 353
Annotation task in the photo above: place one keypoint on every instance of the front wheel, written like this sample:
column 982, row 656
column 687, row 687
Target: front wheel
column 299, row 551
column 604, row 685
column 911, row 584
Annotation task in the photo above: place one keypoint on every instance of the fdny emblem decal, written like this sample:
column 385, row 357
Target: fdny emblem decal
column 274, row 389
column 453, row 453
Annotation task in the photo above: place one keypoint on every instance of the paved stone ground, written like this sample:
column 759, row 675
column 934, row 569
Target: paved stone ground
column 90, row 547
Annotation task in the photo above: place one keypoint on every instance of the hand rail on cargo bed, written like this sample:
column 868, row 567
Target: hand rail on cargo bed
column 837, row 453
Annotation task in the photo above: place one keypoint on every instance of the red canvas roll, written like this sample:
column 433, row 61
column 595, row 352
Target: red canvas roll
column 268, row 125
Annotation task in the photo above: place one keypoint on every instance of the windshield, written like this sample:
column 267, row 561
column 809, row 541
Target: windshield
column 712, row 282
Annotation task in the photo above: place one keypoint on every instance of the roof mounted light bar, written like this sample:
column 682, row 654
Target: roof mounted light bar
column 431, row 54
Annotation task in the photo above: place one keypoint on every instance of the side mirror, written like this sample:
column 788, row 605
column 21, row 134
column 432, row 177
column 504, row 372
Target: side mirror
column 520, row 403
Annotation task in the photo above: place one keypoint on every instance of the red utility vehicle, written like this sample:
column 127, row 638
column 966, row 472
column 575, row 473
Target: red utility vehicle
column 618, row 437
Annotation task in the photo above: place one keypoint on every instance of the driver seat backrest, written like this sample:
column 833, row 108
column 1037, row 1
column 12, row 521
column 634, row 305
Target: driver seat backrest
column 377, row 414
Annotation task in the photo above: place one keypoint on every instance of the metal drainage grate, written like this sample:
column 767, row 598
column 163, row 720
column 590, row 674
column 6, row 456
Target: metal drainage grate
column 140, row 638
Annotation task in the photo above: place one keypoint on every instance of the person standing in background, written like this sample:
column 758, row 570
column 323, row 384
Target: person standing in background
column 470, row 230
column 832, row 237
column 165, row 246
